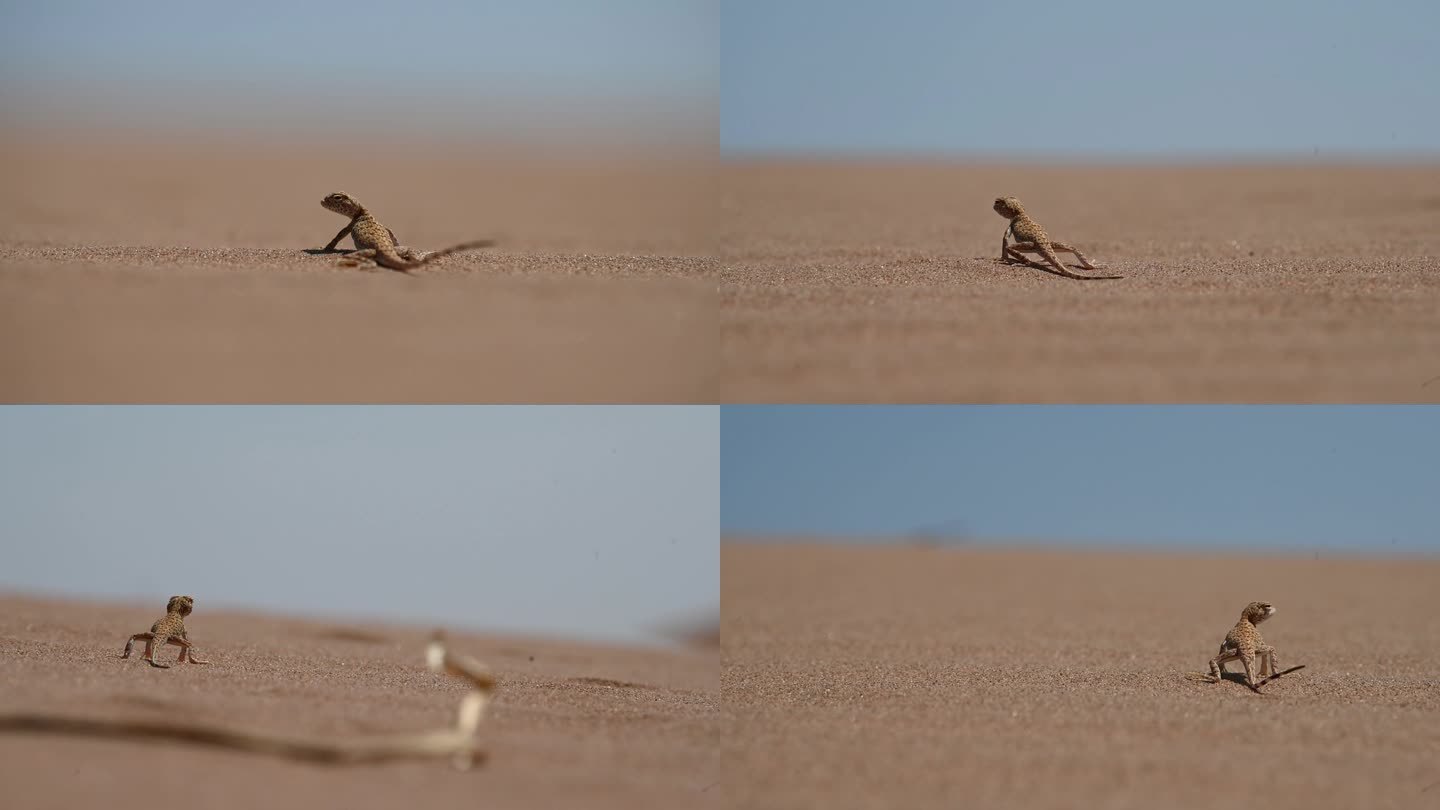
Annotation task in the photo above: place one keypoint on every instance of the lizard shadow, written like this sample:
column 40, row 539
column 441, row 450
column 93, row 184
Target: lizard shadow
column 342, row 252
column 610, row 682
column 1052, row 271
column 1239, row 677
column 350, row 634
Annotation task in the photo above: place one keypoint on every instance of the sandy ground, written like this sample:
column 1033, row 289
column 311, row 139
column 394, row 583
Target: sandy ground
column 177, row 271
column 874, row 282
column 573, row 725
column 929, row 677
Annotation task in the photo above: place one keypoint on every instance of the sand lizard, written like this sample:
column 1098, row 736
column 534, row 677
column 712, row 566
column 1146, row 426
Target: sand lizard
column 376, row 242
column 1243, row 643
column 168, row 630
column 1031, row 238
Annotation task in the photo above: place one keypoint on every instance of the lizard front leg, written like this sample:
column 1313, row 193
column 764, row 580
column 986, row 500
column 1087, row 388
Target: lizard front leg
column 1006, row 255
column 344, row 232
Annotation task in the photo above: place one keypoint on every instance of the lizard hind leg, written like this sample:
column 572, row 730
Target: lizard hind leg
column 1016, row 253
column 1217, row 664
column 151, row 645
column 1084, row 262
column 359, row 258
column 1268, row 666
column 1247, row 657
column 187, row 651
column 1055, row 266
column 1050, row 256
column 130, row 645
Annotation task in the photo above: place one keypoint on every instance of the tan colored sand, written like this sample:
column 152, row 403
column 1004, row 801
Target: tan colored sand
column 573, row 725
column 176, row 271
column 874, row 282
column 928, row 677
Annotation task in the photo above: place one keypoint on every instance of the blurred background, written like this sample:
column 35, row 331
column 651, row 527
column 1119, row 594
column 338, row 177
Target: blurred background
column 554, row 125
column 1304, row 479
column 624, row 73
column 1103, row 80
column 577, row 522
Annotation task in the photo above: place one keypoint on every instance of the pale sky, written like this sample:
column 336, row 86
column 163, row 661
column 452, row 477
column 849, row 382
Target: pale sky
column 618, row 70
column 586, row 522
column 1295, row 478
column 1048, row 78
column 1055, row 78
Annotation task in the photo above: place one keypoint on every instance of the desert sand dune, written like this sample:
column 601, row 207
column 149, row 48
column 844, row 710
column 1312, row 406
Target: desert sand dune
column 861, row 677
column 178, row 271
column 572, row 724
column 875, row 282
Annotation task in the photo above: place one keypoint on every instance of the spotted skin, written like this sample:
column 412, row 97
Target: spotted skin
column 1243, row 644
column 376, row 243
column 168, row 630
column 1031, row 238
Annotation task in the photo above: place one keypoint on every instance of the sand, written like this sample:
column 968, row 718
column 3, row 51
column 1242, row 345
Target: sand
column 155, row 270
column 874, row 282
column 573, row 724
column 135, row 270
column 970, row 677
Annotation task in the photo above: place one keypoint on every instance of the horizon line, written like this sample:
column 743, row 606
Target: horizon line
column 1022, row 543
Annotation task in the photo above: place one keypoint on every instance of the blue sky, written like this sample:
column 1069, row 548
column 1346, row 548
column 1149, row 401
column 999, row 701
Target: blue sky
column 595, row 522
column 1362, row 479
column 638, row 68
column 1111, row 78
column 1047, row 78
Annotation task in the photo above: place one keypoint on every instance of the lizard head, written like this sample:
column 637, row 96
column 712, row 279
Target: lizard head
column 1008, row 207
column 1257, row 612
column 180, row 604
column 343, row 204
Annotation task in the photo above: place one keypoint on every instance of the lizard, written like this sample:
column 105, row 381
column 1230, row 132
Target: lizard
column 1243, row 643
column 168, row 630
column 376, row 242
column 1031, row 238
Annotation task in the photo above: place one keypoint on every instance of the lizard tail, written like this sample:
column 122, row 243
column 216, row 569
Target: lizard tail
column 392, row 260
column 476, row 245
